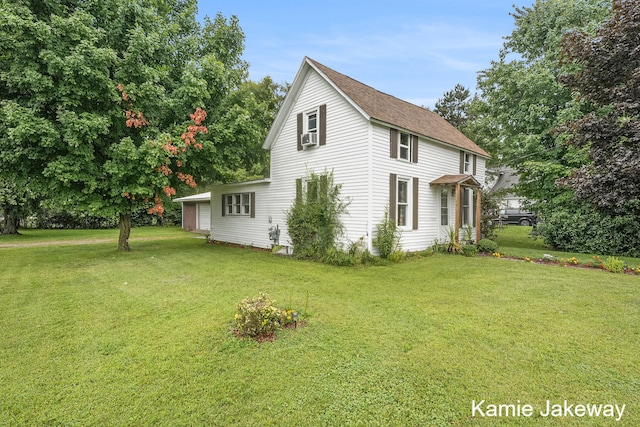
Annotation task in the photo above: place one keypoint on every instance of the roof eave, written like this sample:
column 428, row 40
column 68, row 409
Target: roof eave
column 429, row 138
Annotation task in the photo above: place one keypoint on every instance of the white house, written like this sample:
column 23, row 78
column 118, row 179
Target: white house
column 196, row 211
column 504, row 180
column 384, row 152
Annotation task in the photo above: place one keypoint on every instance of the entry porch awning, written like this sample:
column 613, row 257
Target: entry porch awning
column 462, row 181
column 467, row 181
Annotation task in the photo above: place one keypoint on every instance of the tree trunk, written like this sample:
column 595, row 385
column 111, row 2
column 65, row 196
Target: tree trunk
column 125, row 231
column 11, row 221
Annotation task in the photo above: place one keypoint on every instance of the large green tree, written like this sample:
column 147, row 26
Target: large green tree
column 454, row 106
column 521, row 102
column 527, row 98
column 97, row 95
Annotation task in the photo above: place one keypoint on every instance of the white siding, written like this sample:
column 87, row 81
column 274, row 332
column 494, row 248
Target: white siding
column 242, row 229
column 345, row 153
column 434, row 160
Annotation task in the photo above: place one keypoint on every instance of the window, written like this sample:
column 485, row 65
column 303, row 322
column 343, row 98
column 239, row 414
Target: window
column 444, row 207
column 404, row 147
column 466, row 195
column 467, row 163
column 237, row 204
column 312, row 122
column 311, row 126
column 312, row 188
column 402, row 202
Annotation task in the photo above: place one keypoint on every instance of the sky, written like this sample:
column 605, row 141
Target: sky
column 415, row 50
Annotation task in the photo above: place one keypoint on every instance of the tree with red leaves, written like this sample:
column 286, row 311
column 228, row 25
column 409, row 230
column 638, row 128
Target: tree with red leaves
column 164, row 165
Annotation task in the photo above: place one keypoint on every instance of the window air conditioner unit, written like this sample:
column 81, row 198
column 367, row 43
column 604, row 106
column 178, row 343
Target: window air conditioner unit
column 309, row 139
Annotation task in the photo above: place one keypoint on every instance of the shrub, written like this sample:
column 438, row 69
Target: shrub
column 314, row 218
column 453, row 246
column 489, row 206
column 613, row 265
column 470, row 250
column 338, row 257
column 487, row 246
column 575, row 227
column 257, row 317
column 397, row 256
column 388, row 236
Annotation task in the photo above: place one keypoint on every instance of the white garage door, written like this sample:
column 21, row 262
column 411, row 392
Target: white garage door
column 204, row 216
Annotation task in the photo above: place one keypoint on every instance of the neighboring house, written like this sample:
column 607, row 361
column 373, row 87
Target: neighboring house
column 196, row 212
column 384, row 151
column 504, row 180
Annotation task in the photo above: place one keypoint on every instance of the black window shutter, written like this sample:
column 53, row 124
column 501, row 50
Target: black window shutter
column 393, row 179
column 299, row 133
column 323, row 125
column 253, row 204
column 414, row 148
column 475, row 160
column 224, row 205
column 393, row 143
column 414, row 202
column 461, row 162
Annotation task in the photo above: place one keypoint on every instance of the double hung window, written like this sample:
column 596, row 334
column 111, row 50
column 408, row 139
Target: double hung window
column 444, row 207
column 402, row 202
column 404, row 146
column 238, row 204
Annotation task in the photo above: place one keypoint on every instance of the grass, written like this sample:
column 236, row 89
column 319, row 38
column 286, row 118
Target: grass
column 35, row 236
column 91, row 336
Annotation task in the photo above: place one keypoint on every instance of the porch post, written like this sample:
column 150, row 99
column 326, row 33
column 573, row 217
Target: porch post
column 478, row 214
column 458, row 212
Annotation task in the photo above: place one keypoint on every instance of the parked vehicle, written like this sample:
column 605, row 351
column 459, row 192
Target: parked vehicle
column 516, row 216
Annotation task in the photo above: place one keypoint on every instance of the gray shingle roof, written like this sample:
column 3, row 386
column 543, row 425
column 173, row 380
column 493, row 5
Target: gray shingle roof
column 396, row 112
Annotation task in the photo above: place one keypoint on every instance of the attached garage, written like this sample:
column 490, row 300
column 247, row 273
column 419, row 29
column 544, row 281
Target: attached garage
column 196, row 212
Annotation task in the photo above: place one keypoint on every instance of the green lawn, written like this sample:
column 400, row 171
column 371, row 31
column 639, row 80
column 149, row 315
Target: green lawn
column 90, row 336
column 516, row 241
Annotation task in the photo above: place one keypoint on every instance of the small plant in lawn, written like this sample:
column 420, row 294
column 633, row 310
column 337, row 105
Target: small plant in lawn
column 613, row 265
column 387, row 236
column 397, row 256
column 453, row 247
column 288, row 317
column 470, row 250
column 596, row 262
column 571, row 261
column 468, row 235
column 438, row 246
column 257, row 317
column 487, row 246
column 338, row 257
